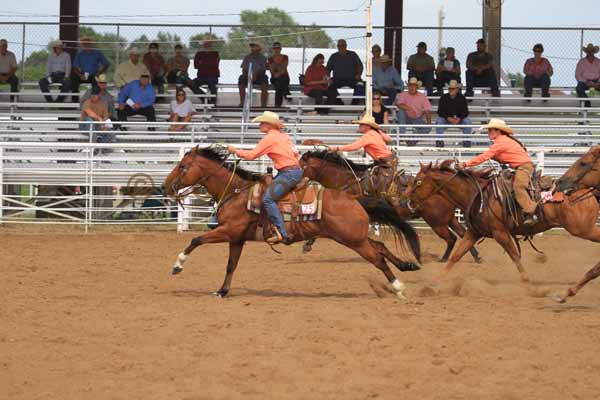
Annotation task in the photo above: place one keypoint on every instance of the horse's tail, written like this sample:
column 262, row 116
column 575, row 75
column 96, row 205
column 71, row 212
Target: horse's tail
column 380, row 211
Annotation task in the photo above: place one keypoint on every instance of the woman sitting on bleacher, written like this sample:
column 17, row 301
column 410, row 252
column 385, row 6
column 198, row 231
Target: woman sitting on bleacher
column 316, row 82
column 182, row 110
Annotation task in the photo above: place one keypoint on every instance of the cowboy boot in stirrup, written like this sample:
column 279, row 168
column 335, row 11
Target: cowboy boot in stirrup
column 529, row 219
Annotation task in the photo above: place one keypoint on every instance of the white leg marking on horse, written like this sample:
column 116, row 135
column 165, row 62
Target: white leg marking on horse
column 180, row 260
column 398, row 286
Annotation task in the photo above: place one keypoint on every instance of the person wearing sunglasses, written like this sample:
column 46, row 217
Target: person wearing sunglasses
column 538, row 71
column 380, row 112
column 181, row 110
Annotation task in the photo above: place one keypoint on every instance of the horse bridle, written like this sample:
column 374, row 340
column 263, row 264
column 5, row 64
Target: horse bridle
column 439, row 188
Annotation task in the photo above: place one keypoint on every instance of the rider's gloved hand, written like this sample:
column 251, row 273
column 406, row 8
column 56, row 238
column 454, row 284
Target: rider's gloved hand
column 231, row 149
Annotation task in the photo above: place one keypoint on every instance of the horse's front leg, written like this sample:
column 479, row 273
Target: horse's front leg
column 235, row 251
column 219, row 235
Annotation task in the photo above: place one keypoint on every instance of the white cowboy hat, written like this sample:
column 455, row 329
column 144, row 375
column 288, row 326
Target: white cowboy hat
column 590, row 47
column 453, row 84
column 133, row 50
column 496, row 123
column 270, row 118
column 385, row 59
column 415, row 81
column 57, row 43
column 367, row 120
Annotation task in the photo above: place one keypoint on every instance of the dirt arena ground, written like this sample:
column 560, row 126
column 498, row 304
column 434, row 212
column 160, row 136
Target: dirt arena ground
column 99, row 316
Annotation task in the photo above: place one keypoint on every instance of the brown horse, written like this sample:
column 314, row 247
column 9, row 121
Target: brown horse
column 334, row 171
column 486, row 217
column 343, row 218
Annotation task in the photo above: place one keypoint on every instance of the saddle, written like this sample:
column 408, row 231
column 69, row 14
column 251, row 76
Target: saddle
column 540, row 186
column 304, row 203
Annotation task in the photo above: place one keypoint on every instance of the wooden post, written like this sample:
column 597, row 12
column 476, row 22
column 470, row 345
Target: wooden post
column 393, row 19
column 69, row 25
column 492, row 28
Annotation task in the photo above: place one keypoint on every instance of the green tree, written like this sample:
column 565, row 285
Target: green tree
column 166, row 43
column 196, row 41
column 518, row 77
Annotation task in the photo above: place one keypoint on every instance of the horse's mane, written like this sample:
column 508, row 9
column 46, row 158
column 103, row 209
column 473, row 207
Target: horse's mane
column 336, row 159
column 448, row 166
column 220, row 154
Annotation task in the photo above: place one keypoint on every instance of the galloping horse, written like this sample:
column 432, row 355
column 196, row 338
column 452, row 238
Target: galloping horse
column 334, row 171
column 473, row 193
column 343, row 219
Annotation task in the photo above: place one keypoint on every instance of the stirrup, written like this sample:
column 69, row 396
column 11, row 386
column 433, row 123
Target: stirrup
column 276, row 238
column 530, row 220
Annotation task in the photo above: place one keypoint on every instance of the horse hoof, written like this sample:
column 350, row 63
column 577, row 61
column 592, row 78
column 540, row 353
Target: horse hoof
column 176, row 269
column 221, row 293
column 558, row 298
column 478, row 260
column 401, row 297
column 306, row 249
column 409, row 266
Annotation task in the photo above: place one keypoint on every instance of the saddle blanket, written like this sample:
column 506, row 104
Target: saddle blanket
column 304, row 204
column 549, row 197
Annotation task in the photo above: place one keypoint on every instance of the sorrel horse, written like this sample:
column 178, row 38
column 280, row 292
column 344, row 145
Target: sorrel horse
column 343, row 218
column 336, row 172
column 473, row 193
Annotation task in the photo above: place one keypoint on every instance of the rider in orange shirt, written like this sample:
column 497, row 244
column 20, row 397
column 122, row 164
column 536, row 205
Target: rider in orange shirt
column 508, row 150
column 278, row 147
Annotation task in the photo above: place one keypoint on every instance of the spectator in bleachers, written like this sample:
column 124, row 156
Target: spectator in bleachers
column 421, row 66
column 538, row 71
column 58, row 70
column 448, row 69
column 453, row 110
column 95, row 110
column 480, row 71
column 316, row 82
column 414, row 108
column 176, row 69
column 280, row 79
column 206, row 61
column 259, row 76
column 387, row 80
column 380, row 112
column 346, row 69
column 137, row 97
column 155, row 63
column 105, row 96
column 8, row 67
column 131, row 69
column 87, row 65
column 376, row 51
column 181, row 110
column 587, row 72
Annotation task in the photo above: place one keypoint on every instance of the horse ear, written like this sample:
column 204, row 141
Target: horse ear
column 197, row 149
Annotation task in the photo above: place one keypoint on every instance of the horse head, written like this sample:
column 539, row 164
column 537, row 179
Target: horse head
column 584, row 173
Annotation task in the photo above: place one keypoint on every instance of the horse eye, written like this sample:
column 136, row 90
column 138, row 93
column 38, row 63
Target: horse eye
column 582, row 163
column 419, row 182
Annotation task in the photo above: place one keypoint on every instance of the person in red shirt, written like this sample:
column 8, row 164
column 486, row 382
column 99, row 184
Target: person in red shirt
column 278, row 147
column 538, row 71
column 156, row 65
column 206, row 61
column 508, row 150
column 316, row 82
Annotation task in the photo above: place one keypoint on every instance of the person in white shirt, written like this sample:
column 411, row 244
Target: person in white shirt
column 58, row 70
column 182, row 110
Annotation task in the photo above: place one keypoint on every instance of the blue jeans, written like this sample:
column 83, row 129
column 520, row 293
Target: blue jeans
column 403, row 119
column 581, row 88
column 98, row 136
column 444, row 121
column 283, row 183
column 543, row 82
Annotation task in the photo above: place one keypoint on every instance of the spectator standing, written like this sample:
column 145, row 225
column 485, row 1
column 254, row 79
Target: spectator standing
column 131, row 69
column 95, row 110
column 177, row 67
column 181, row 110
column 480, row 71
column 346, row 69
column 421, row 66
column 538, row 71
column 414, row 108
column 316, row 82
column 206, row 61
column 105, row 96
column 58, row 70
column 587, row 72
column 258, row 62
column 380, row 112
column 87, row 65
column 448, row 69
column 8, row 68
column 155, row 63
column 453, row 110
column 280, row 78
column 387, row 80
column 137, row 97
column 376, row 60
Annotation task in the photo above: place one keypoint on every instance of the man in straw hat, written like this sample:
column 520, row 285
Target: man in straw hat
column 105, row 96
column 587, row 72
column 508, row 150
column 412, row 107
column 453, row 110
column 386, row 79
column 278, row 147
column 58, row 69
column 131, row 69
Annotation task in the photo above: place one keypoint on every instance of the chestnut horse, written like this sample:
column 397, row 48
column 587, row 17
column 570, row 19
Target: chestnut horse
column 343, row 218
column 474, row 194
column 333, row 171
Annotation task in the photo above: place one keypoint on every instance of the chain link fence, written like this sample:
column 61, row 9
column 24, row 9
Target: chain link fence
column 29, row 42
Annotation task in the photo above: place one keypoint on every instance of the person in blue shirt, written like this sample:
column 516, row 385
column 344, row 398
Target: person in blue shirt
column 137, row 98
column 88, row 64
column 386, row 79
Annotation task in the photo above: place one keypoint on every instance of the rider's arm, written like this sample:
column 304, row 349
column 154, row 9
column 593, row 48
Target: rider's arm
column 483, row 157
column 359, row 144
column 261, row 148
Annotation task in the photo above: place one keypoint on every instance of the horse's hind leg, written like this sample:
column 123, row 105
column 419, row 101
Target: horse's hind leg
column 371, row 254
column 506, row 241
column 235, row 251
column 215, row 236
column 572, row 291
column 464, row 245
column 460, row 231
column 398, row 263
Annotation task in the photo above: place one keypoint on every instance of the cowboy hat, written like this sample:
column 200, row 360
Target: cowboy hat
column 385, row 59
column 367, row 120
column 270, row 118
column 101, row 78
column 496, row 123
column 57, row 43
column 453, row 84
column 415, row 81
column 133, row 50
column 590, row 47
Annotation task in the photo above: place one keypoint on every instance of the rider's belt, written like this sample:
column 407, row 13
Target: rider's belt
column 291, row 167
column 386, row 160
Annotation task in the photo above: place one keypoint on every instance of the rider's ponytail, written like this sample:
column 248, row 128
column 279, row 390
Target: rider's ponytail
column 516, row 140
